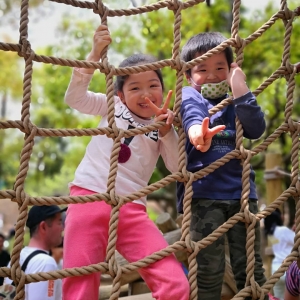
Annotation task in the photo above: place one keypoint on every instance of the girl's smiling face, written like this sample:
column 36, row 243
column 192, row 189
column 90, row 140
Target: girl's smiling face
column 139, row 86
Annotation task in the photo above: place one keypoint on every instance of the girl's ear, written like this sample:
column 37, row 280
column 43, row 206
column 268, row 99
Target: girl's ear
column 121, row 96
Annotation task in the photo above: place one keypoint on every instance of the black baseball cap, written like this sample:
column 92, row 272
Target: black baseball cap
column 37, row 214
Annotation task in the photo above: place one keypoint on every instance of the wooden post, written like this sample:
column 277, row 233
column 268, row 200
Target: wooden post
column 165, row 223
column 274, row 188
column 274, row 182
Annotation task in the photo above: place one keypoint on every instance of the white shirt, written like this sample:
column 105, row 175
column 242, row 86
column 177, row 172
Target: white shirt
column 133, row 175
column 43, row 290
column 282, row 243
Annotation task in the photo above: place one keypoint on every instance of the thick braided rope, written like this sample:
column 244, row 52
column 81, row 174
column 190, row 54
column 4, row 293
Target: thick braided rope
column 23, row 200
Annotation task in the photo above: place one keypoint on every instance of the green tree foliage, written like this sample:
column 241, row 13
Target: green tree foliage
column 51, row 156
column 261, row 58
column 55, row 159
column 10, row 88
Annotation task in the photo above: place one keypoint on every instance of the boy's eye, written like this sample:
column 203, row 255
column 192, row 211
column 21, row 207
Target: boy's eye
column 220, row 69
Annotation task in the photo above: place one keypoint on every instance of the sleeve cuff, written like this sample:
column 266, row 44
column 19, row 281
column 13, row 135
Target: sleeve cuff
column 244, row 98
column 82, row 76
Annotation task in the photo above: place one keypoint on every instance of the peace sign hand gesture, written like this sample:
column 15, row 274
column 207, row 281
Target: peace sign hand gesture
column 163, row 113
column 201, row 135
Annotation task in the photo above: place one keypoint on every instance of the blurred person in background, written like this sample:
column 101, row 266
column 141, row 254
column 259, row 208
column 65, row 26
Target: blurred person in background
column 4, row 255
column 45, row 224
column 281, row 238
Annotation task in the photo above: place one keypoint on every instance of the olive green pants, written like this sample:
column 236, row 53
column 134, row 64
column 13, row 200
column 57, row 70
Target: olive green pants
column 208, row 215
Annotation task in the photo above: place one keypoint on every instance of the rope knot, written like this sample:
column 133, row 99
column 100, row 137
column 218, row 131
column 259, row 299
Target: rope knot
column 245, row 153
column 289, row 67
column 190, row 245
column 108, row 68
column 113, row 197
column 18, row 276
column 186, row 174
column 257, row 292
column 26, row 50
column 116, row 132
column 178, row 64
column 239, row 42
column 288, row 14
column 175, row 5
column 113, row 267
column 102, row 10
column 293, row 126
column 249, row 217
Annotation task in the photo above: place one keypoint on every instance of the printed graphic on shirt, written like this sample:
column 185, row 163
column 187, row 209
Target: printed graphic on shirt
column 50, row 288
column 223, row 141
column 226, row 134
column 125, row 114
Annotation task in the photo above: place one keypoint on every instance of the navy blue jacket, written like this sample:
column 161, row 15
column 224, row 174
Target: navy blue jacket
column 225, row 182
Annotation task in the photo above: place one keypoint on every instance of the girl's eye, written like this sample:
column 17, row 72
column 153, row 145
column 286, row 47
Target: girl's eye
column 203, row 70
column 154, row 85
column 219, row 69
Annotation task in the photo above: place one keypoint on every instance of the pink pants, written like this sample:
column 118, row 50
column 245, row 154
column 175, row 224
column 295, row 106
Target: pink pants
column 86, row 239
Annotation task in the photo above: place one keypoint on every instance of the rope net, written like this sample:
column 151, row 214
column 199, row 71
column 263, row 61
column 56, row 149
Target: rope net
column 23, row 200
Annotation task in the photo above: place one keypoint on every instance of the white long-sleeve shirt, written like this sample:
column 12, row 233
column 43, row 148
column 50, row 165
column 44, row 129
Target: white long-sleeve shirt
column 133, row 175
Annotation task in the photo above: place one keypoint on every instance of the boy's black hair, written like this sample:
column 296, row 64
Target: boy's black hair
column 203, row 42
column 136, row 60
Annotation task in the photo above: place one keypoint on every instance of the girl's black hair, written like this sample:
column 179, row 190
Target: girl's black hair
column 136, row 60
column 203, row 42
column 273, row 220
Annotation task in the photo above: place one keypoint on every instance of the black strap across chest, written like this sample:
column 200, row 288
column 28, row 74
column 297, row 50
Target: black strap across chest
column 28, row 258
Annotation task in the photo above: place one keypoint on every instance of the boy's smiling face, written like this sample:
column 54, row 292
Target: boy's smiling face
column 213, row 70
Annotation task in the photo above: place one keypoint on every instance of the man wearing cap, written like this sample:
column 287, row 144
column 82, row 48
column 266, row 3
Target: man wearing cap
column 45, row 226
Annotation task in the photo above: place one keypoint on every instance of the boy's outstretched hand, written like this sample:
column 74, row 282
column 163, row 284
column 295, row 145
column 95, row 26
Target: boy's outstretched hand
column 201, row 135
column 163, row 113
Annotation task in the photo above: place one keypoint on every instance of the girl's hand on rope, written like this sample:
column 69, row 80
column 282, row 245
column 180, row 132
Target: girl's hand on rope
column 163, row 113
column 101, row 39
column 201, row 135
column 236, row 79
